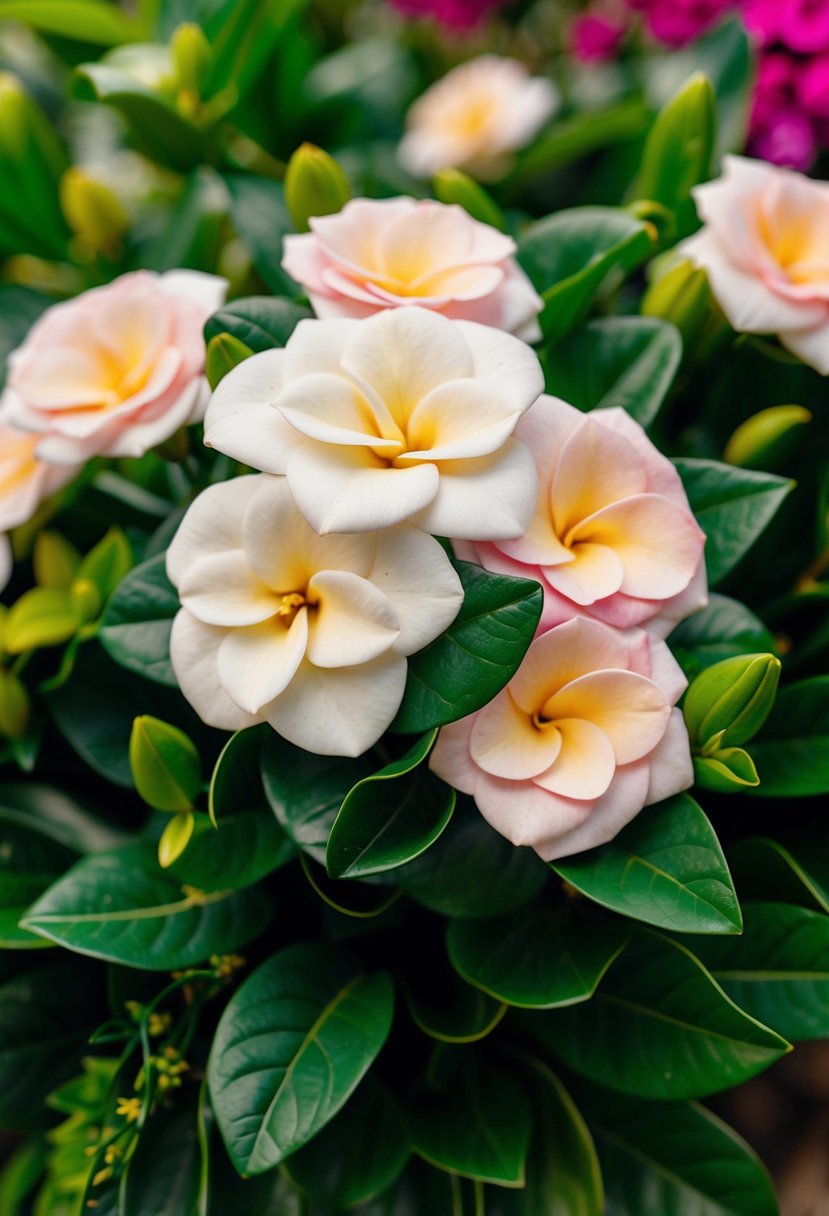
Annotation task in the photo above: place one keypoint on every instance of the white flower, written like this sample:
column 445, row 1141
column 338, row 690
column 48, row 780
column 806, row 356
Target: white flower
column 404, row 415
column 476, row 117
column 305, row 632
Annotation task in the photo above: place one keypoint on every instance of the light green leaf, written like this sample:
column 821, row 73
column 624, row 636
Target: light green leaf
column 137, row 624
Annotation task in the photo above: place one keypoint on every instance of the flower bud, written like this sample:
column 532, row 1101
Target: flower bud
column 86, row 600
column 192, row 57
column 680, row 296
column 726, row 770
column 679, row 147
column 315, row 184
column 93, row 211
column 452, row 186
column 55, row 561
column 761, row 441
column 165, row 764
column 224, row 352
column 15, row 708
column 728, row 703
column 175, row 838
column 41, row 617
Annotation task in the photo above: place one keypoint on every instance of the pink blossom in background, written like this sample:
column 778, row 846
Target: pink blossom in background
column 812, row 85
column 595, row 37
column 677, row 22
column 805, row 25
column 788, row 140
column 453, row 14
column 762, row 18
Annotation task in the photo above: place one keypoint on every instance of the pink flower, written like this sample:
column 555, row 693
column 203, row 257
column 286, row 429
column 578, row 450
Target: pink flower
column 612, row 536
column 804, row 25
column 677, row 22
column 24, row 482
column 582, row 738
column 453, row 14
column 116, row 370
column 813, row 86
column 788, row 140
column 396, row 252
column 763, row 18
column 595, row 37
column 774, row 90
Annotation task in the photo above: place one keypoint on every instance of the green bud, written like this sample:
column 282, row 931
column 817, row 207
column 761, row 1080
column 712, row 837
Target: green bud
column 55, row 561
column 728, row 703
column 107, row 563
column 175, row 838
column 165, row 764
column 659, row 221
column 43, row 616
column 315, row 184
column 26, row 136
column 726, row 770
column 93, row 211
column 452, row 186
column 15, row 708
column 678, row 151
column 680, row 296
column 192, row 57
column 87, row 603
column 762, row 440
column 224, row 352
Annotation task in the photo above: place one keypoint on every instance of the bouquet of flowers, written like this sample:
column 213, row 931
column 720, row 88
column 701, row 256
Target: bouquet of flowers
column 403, row 541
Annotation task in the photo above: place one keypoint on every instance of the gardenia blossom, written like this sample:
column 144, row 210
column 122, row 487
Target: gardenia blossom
column 765, row 247
column 613, row 536
column 24, row 482
column 116, row 370
column 476, row 117
column 406, row 415
column 305, row 632
column 389, row 253
column 582, row 738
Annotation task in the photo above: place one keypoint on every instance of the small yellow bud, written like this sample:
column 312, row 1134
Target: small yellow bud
column 760, row 441
column 93, row 211
column 315, row 184
column 15, row 707
column 128, row 1108
column 55, row 561
column 453, row 186
column 86, row 600
column 192, row 58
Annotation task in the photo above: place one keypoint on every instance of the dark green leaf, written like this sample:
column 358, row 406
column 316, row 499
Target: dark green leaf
column 57, row 815
column 29, row 863
column 361, row 900
column 440, row 1003
column 261, row 219
column 665, row 868
column 93, row 21
column 136, row 627
column 627, row 363
column 732, row 506
column 123, row 907
column 261, row 322
column 478, row 654
column 292, row 1045
column 792, row 750
column 721, row 630
column 797, row 873
column 678, row 150
column 20, row 307
column 162, row 1175
column 193, row 234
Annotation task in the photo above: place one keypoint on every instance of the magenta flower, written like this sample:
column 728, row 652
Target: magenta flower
column 763, row 18
column 813, row 86
column 453, row 14
column 789, row 140
column 804, row 25
column 595, row 37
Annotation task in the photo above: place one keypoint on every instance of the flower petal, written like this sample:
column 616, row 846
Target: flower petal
column 221, row 589
column 596, row 467
column 525, row 813
column 585, row 764
column 240, row 419
column 670, row 764
column 629, row 709
column 412, row 570
column 622, row 802
column 594, row 573
column 256, row 663
column 354, row 621
column 450, row 757
column 193, row 649
column 506, row 743
column 484, row 498
column 212, row 524
column 561, row 655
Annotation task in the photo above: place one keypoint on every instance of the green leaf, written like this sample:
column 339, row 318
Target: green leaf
column 165, row 763
column 362, row 900
column 391, row 817
column 721, row 630
column 137, row 624
column 478, row 1127
column 260, row 322
column 41, row 617
column 471, row 870
column 291, row 1047
column 624, row 363
column 344, row 1166
column 440, row 1002
column 778, row 970
column 727, row 770
column 798, row 873
column 29, row 863
column 163, row 1174
column 58, row 816
column 175, row 838
column 733, row 507
column 672, row 1159
column 678, row 150
column 86, row 20
column 536, row 958
column 107, row 563
column 570, row 255
column 683, row 1037
column 305, row 791
column 194, row 231
column 792, row 750
column 20, row 307
column 665, row 868
column 21, row 1173
column 478, row 654
column 123, row 907
column 261, row 219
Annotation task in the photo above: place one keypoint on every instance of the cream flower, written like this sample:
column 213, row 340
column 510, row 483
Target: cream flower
column 305, row 632
column 613, row 536
column 765, row 246
column 582, row 738
column 116, row 370
column 476, row 117
column 388, row 253
column 24, row 482
column 406, row 415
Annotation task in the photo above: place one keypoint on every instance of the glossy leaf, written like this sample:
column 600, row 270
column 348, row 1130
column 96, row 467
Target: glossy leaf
column 478, row 654
column 194, row 233
column 721, row 630
column 361, row 900
column 57, row 815
column 678, row 150
column 797, row 872
column 665, row 868
column 92, row 21
column 163, row 1173
column 123, row 907
column 624, row 363
column 537, row 958
column 29, row 863
column 261, row 219
column 732, row 506
column 260, row 322
column 292, row 1045
column 683, row 1037
column 792, row 750
column 136, row 627
column 390, row 817
column 441, row 1003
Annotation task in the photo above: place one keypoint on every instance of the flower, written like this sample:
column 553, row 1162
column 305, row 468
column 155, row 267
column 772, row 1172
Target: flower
column 582, row 738
column 116, row 370
column 595, row 37
column 612, row 536
column 805, row 25
column 476, row 117
column 406, row 415
column 24, row 482
column 765, row 246
column 394, row 252
column 308, row 633
column 453, row 14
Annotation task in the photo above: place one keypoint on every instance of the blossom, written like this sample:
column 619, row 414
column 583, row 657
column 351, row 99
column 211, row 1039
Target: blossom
column 24, row 482
column 476, row 117
column 582, row 738
column 595, row 37
column 765, row 246
column 308, row 633
column 453, row 14
column 406, row 415
column 612, row 536
column 805, row 25
column 392, row 252
column 116, row 370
